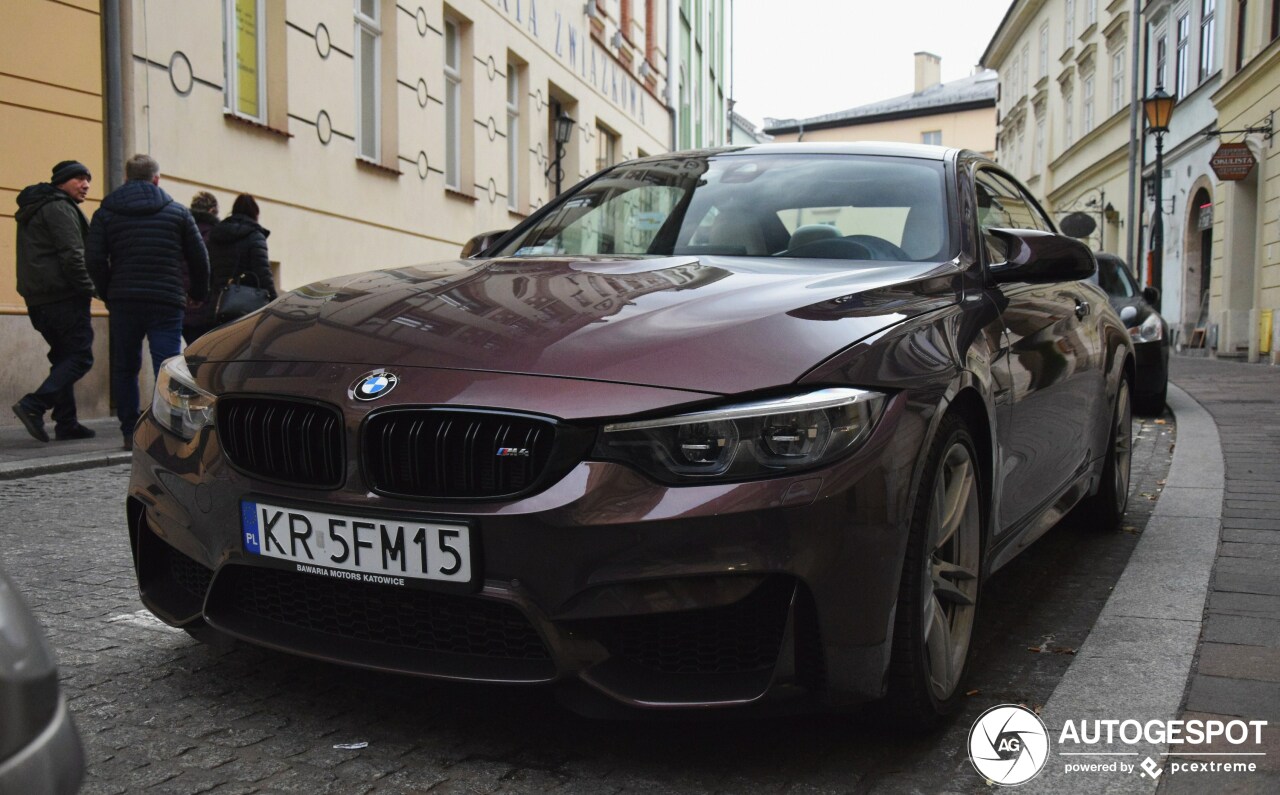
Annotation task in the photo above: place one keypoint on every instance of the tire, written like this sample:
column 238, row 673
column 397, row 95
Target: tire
column 1105, row 509
column 1151, row 405
column 941, row 580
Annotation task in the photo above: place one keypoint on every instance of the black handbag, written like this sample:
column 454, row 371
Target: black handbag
column 238, row 299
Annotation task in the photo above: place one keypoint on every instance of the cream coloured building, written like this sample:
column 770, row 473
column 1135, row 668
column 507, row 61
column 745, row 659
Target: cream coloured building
column 1066, row 78
column 960, row 113
column 1245, row 288
column 373, row 133
column 51, row 109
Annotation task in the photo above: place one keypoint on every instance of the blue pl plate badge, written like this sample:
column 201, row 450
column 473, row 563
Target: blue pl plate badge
column 249, row 521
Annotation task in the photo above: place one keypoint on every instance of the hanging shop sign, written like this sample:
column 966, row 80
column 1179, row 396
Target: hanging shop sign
column 1232, row 162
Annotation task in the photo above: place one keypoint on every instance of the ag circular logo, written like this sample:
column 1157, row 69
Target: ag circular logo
column 374, row 385
column 1008, row 745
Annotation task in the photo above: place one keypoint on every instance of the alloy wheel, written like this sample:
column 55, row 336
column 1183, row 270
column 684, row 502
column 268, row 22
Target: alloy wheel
column 950, row 584
column 1122, row 445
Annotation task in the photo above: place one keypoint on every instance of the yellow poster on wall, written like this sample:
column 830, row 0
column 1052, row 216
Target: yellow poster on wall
column 247, row 101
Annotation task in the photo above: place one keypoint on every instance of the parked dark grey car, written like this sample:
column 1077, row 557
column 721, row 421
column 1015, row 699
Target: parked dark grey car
column 1150, row 333
column 40, row 750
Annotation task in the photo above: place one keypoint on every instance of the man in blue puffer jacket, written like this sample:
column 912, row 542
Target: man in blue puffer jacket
column 138, row 241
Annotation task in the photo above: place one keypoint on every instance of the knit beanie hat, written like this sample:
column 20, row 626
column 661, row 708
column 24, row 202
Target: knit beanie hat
column 68, row 169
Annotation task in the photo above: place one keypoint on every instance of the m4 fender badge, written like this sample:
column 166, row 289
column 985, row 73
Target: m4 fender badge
column 520, row 452
column 374, row 385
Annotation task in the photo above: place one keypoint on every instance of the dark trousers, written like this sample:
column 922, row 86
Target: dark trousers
column 130, row 322
column 66, row 326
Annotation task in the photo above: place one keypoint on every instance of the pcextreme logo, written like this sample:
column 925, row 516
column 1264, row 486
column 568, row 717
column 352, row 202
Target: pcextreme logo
column 1008, row 745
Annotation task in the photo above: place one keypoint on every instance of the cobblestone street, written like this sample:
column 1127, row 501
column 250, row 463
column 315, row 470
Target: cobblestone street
column 160, row 712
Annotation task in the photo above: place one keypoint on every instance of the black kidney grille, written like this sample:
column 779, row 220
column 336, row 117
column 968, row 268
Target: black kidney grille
column 283, row 440
column 415, row 619
column 455, row 454
column 738, row 638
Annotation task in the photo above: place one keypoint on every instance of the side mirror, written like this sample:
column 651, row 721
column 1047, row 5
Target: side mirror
column 1151, row 295
column 1035, row 256
column 481, row 242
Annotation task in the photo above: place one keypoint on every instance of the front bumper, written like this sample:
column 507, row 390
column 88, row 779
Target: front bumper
column 53, row 762
column 653, row 596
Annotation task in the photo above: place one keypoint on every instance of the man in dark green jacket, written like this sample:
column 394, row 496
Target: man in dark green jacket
column 56, row 286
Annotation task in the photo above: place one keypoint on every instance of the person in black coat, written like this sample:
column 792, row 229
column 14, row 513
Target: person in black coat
column 199, row 315
column 238, row 250
column 53, row 281
column 139, row 240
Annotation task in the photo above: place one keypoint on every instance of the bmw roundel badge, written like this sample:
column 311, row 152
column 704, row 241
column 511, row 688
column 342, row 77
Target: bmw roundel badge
column 374, row 385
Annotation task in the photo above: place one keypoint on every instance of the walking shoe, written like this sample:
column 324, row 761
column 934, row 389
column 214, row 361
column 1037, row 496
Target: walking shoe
column 76, row 431
column 32, row 420
column 128, row 443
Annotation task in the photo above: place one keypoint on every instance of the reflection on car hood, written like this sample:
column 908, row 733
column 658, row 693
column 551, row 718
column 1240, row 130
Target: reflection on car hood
column 721, row 325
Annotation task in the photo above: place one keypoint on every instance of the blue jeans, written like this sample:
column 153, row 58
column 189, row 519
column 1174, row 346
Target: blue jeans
column 67, row 328
column 130, row 321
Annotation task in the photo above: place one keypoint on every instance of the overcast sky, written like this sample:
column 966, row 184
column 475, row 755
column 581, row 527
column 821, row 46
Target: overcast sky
column 801, row 58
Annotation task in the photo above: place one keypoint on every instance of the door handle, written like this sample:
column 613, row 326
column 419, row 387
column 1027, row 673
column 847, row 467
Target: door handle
column 1082, row 308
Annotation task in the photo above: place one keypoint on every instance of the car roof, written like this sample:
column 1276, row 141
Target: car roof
column 883, row 148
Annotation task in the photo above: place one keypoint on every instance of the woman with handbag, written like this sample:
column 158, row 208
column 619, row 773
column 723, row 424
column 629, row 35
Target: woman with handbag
column 240, row 270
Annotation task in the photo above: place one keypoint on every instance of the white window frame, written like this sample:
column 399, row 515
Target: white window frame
column 513, row 137
column 1208, row 32
column 931, row 137
column 1162, row 60
column 1038, row 156
column 1044, row 50
column 368, row 149
column 1118, row 99
column 229, row 38
column 1086, row 107
column 1069, row 24
column 1090, row 13
column 1068, row 120
column 1182, row 58
column 1026, row 67
column 453, row 106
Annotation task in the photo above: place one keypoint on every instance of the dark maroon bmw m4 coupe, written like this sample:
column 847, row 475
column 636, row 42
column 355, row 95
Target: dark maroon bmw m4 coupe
column 712, row 429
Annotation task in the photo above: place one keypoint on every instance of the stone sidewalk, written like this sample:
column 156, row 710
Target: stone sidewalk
column 1236, row 673
column 22, row 456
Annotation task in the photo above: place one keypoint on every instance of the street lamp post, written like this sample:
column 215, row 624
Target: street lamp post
column 1158, row 108
column 562, row 133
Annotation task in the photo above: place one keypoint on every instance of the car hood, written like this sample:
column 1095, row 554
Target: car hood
column 710, row 324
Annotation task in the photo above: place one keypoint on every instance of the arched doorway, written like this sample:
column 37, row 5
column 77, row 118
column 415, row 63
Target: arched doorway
column 1197, row 260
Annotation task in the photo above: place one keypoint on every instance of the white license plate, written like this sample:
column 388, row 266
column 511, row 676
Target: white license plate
column 378, row 550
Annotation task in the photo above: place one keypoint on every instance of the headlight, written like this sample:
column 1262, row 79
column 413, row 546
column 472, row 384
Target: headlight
column 750, row 440
column 178, row 404
column 1151, row 330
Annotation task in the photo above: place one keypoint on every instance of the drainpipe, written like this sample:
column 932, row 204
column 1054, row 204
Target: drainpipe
column 1137, row 149
column 673, row 70
column 114, row 93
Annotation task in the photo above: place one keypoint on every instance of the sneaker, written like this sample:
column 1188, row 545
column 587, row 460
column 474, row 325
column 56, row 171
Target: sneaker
column 32, row 420
column 76, row 431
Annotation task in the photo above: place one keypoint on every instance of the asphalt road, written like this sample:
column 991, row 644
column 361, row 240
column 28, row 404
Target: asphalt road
column 162, row 713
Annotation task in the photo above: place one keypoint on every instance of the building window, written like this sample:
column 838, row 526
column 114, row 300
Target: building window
column 1180, row 57
column 1162, row 61
column 1086, row 115
column 1241, row 41
column 1275, row 19
column 452, row 105
column 246, row 54
column 1090, row 13
column 1069, row 24
column 1026, row 67
column 932, row 137
column 1044, row 50
column 368, row 60
column 1068, row 119
column 1037, row 165
column 1118, row 99
column 514, row 145
column 607, row 151
column 1206, row 37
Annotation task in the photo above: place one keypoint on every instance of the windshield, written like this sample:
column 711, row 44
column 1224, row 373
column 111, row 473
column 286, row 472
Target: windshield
column 813, row 206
